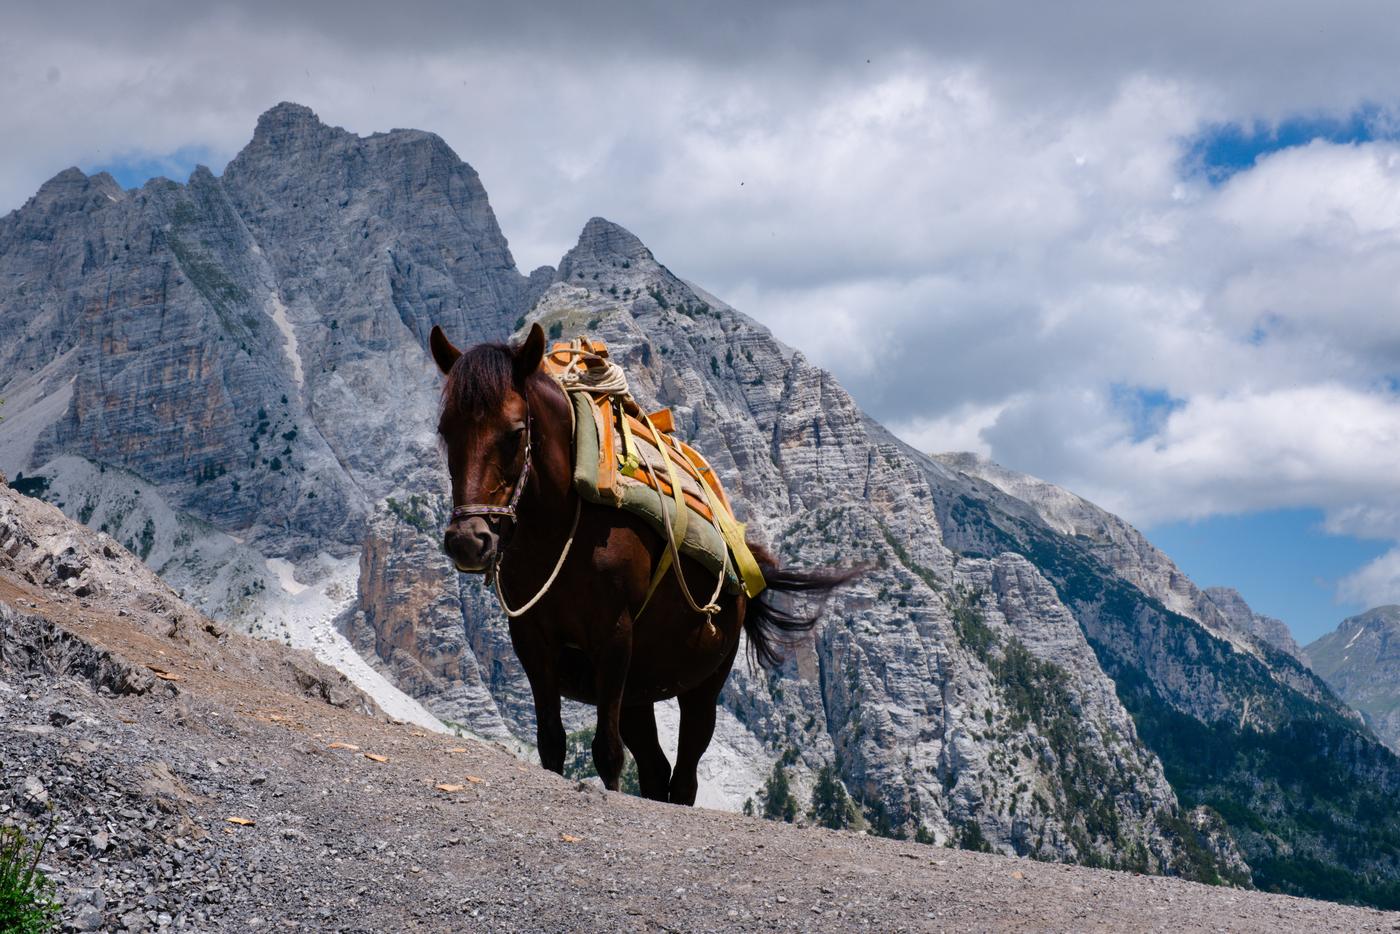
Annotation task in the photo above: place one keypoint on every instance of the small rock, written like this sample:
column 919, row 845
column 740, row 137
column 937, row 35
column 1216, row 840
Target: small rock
column 88, row 918
column 35, row 794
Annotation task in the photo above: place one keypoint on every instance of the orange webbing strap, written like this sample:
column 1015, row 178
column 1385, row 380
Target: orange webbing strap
column 607, row 461
column 646, row 429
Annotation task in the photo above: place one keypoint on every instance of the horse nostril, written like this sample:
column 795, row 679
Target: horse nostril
column 470, row 545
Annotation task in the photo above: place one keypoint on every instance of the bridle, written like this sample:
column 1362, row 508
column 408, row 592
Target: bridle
column 491, row 512
column 494, row 514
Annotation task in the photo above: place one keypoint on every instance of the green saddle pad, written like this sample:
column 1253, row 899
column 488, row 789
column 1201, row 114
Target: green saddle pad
column 702, row 543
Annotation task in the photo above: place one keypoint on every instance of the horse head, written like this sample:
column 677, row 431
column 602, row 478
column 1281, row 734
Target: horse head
column 486, row 426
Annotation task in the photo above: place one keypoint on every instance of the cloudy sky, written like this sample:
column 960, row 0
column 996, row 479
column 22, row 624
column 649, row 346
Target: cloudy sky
column 1151, row 254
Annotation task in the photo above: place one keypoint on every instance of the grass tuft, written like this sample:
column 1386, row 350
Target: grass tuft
column 27, row 904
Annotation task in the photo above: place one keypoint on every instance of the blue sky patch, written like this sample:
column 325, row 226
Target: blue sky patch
column 1146, row 409
column 1222, row 149
column 1281, row 561
column 135, row 170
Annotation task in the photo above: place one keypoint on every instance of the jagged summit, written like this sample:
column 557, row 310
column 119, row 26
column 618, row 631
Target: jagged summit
column 72, row 190
column 286, row 124
column 606, row 248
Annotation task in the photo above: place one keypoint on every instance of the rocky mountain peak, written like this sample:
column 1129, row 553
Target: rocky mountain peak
column 604, row 245
column 286, row 124
column 74, row 190
column 1360, row 660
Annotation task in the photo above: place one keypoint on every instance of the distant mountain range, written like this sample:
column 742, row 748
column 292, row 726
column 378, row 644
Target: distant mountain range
column 229, row 376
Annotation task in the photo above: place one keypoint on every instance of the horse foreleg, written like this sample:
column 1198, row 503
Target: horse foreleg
column 610, row 665
column 549, row 722
column 653, row 768
column 697, row 727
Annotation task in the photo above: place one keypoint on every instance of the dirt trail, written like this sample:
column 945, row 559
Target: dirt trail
column 447, row 835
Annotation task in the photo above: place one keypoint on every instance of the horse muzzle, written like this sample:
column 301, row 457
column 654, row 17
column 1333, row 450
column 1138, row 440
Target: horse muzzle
column 471, row 543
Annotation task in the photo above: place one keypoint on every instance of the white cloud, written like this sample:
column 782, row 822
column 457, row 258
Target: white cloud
column 1326, row 445
column 1375, row 584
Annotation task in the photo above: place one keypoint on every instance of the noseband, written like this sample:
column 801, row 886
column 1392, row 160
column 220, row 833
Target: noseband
column 494, row 513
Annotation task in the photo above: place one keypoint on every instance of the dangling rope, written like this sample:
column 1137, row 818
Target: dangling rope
column 558, row 565
column 563, row 555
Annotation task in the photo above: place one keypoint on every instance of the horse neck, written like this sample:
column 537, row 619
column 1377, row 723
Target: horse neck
column 548, row 499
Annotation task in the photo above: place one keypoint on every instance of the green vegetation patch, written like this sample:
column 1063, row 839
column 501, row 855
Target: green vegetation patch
column 27, row 903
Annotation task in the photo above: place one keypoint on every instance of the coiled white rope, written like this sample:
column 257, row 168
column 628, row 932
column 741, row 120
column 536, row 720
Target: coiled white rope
column 595, row 375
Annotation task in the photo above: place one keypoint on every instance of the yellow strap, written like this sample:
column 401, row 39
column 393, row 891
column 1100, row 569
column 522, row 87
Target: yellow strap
column 630, row 459
column 682, row 518
column 733, row 534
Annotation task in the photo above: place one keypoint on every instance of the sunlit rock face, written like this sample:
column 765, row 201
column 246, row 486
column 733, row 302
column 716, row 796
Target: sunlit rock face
column 1017, row 670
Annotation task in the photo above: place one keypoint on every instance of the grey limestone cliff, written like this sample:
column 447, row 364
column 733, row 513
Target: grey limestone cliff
column 1267, row 629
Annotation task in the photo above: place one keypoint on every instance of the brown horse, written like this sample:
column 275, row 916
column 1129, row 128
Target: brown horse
column 507, row 429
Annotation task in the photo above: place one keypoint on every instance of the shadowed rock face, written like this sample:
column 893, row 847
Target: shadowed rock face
column 1361, row 662
column 1013, row 673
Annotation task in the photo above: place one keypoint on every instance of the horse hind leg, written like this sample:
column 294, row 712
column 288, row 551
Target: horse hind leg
column 653, row 768
column 698, row 709
column 610, row 674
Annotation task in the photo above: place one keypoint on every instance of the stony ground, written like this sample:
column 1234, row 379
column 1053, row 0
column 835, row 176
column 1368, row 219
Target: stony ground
column 345, row 822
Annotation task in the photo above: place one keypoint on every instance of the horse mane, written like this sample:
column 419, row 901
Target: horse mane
column 479, row 380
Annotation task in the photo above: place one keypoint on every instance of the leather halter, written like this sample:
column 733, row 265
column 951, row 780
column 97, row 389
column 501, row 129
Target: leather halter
column 491, row 511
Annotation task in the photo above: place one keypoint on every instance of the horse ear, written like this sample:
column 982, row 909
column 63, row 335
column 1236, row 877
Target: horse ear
column 443, row 351
column 528, row 357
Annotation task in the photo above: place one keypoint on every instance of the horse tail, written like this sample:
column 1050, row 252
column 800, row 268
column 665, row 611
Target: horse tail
column 770, row 627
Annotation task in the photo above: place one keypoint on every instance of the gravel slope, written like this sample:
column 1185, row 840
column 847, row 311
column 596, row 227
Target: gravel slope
column 142, row 728
column 142, row 785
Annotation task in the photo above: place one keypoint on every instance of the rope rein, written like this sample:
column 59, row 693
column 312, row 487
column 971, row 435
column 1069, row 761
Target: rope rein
column 568, row 542
column 558, row 566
